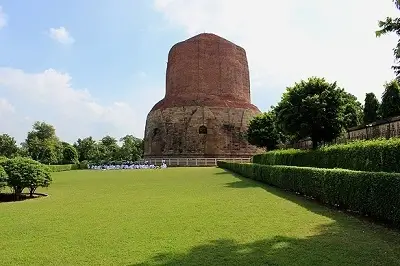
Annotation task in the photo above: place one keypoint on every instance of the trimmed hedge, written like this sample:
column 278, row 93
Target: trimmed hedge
column 68, row 167
column 379, row 155
column 60, row 167
column 63, row 167
column 375, row 194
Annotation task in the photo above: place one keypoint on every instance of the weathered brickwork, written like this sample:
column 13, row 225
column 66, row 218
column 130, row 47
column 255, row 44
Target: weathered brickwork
column 206, row 108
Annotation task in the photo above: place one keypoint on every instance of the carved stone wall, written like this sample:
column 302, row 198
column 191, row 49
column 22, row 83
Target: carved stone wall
column 206, row 108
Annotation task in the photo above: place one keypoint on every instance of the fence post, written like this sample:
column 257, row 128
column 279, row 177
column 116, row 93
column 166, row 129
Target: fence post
column 169, row 161
column 187, row 161
column 215, row 161
column 196, row 161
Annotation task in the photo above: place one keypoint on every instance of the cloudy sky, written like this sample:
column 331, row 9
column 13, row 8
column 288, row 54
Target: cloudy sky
column 96, row 67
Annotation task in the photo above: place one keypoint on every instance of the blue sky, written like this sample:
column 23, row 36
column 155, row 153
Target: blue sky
column 97, row 67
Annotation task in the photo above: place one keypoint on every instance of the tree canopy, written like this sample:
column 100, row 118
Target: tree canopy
column 8, row 146
column 353, row 111
column 392, row 25
column 262, row 131
column 371, row 108
column 314, row 108
column 390, row 105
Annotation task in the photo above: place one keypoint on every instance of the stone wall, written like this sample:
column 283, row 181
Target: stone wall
column 177, row 132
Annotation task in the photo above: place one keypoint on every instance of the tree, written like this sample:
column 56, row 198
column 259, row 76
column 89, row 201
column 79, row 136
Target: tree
column 70, row 155
column 8, row 146
column 388, row 26
column 312, row 108
column 39, row 176
column 43, row 144
column 108, row 149
column 371, row 108
column 87, row 149
column 353, row 111
column 390, row 105
column 26, row 173
column 3, row 178
column 262, row 131
column 131, row 149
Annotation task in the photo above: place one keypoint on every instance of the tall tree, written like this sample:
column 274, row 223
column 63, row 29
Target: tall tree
column 87, row 149
column 312, row 108
column 109, row 149
column 371, row 108
column 43, row 145
column 131, row 149
column 8, row 146
column 70, row 155
column 353, row 111
column 390, row 105
column 392, row 25
column 262, row 131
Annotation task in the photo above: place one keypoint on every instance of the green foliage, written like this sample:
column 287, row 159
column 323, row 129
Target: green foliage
column 392, row 25
column 8, row 146
column 87, row 149
column 371, row 108
column 2, row 159
column 314, row 108
column 70, row 154
column 108, row 149
column 63, row 167
column 83, row 165
column 3, row 178
column 262, row 131
column 352, row 112
column 132, row 148
column 25, row 173
column 390, row 105
column 43, row 145
column 364, row 155
column 369, row 193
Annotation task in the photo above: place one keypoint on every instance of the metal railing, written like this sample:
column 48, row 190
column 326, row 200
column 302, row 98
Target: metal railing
column 194, row 161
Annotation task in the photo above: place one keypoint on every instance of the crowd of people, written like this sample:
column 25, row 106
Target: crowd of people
column 128, row 165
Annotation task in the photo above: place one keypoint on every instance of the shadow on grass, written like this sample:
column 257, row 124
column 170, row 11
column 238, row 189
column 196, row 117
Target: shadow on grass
column 306, row 202
column 344, row 241
column 10, row 197
column 330, row 247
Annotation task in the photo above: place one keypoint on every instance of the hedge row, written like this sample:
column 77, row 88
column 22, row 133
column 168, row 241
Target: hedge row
column 379, row 155
column 63, row 167
column 375, row 194
column 68, row 167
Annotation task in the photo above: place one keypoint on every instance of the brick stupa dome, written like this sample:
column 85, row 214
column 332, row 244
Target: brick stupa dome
column 207, row 106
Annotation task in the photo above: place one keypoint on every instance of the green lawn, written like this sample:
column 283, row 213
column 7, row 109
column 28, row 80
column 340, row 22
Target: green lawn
column 183, row 216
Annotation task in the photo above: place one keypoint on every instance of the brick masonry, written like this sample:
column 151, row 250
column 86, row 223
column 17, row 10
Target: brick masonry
column 206, row 108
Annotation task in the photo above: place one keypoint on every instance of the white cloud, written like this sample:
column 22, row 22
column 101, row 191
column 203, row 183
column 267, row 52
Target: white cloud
column 61, row 35
column 6, row 107
column 289, row 40
column 3, row 18
column 48, row 96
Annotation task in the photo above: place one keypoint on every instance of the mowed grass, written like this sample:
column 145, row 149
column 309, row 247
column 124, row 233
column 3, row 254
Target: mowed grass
column 183, row 216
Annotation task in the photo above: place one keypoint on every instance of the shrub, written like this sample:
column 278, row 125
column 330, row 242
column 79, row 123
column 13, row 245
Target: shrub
column 26, row 173
column 375, row 194
column 83, row 165
column 366, row 155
